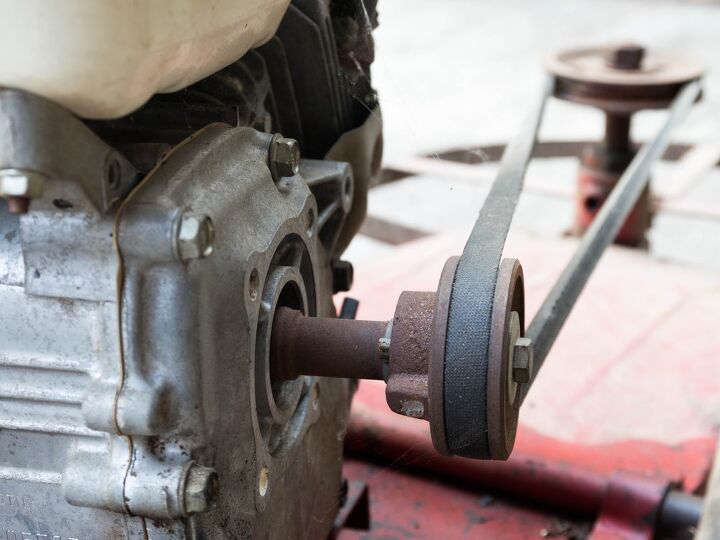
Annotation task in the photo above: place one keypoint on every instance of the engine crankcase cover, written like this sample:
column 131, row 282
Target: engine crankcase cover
column 156, row 363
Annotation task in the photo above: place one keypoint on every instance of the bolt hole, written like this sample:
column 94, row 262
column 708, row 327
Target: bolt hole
column 348, row 187
column 114, row 174
column 592, row 203
column 263, row 481
column 310, row 221
column 254, row 284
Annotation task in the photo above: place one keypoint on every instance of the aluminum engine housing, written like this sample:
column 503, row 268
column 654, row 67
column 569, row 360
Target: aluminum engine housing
column 131, row 371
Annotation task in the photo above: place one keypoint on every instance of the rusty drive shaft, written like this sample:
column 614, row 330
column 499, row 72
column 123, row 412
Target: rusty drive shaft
column 326, row 347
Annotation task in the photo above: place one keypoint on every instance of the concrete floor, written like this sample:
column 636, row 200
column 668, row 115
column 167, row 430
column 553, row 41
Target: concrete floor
column 459, row 72
column 462, row 73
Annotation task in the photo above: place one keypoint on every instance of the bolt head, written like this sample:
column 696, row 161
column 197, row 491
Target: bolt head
column 343, row 274
column 20, row 183
column 196, row 235
column 522, row 360
column 626, row 57
column 284, row 158
column 201, row 489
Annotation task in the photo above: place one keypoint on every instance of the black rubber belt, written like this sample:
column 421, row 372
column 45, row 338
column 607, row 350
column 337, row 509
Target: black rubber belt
column 471, row 302
column 551, row 316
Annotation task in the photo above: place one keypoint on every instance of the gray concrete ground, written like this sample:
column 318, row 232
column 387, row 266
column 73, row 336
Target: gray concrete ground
column 460, row 73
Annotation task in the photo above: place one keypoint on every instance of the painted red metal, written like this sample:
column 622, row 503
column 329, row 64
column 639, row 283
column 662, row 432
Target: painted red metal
column 569, row 478
column 411, row 506
column 623, row 390
column 630, row 508
column 594, row 186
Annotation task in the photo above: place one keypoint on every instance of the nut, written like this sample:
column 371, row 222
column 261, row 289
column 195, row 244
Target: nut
column 21, row 183
column 195, row 237
column 626, row 57
column 284, row 158
column 201, row 489
column 522, row 360
column 342, row 276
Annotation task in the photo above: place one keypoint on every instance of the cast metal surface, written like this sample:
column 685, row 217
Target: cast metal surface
column 134, row 341
column 140, row 283
column 409, row 354
column 555, row 475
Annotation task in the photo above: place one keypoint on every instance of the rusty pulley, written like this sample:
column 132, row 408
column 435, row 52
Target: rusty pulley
column 619, row 80
column 408, row 352
column 622, row 78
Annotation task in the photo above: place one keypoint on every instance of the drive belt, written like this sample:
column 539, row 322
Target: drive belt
column 468, row 347
column 473, row 292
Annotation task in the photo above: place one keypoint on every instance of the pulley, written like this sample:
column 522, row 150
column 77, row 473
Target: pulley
column 620, row 80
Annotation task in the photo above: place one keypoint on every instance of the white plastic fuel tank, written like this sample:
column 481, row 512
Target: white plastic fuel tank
column 105, row 58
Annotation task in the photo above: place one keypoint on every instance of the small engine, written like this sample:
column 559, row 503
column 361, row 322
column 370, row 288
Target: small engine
column 142, row 260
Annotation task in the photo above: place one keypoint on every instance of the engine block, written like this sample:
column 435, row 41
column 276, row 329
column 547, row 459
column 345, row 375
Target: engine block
column 135, row 392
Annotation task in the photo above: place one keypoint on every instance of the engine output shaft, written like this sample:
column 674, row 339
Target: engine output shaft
column 325, row 347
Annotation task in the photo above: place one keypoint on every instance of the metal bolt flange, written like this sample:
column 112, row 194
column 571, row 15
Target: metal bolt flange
column 195, row 237
column 201, row 489
column 284, row 158
column 522, row 360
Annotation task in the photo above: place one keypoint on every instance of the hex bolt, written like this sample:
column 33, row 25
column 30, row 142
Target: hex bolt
column 201, row 489
column 628, row 57
column 284, row 158
column 342, row 272
column 195, row 236
column 522, row 360
column 18, row 186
